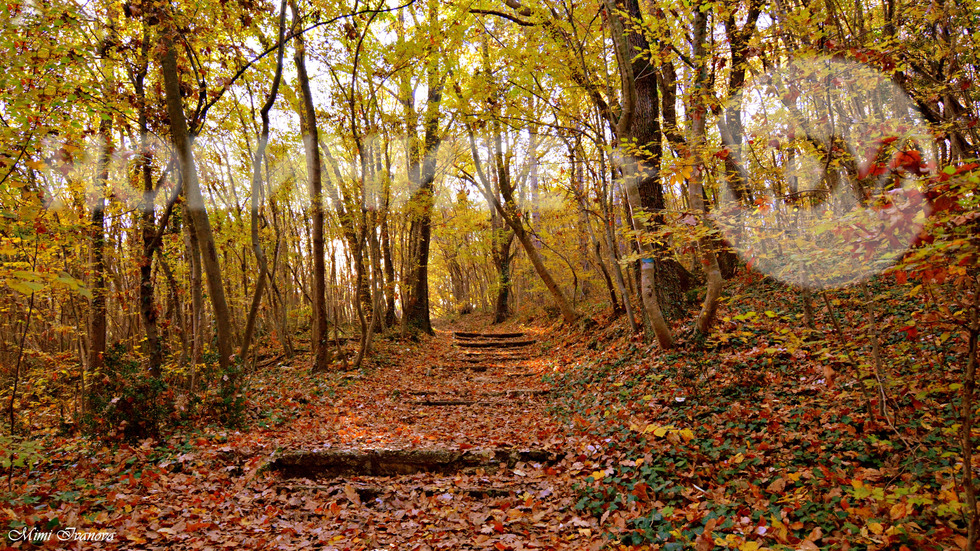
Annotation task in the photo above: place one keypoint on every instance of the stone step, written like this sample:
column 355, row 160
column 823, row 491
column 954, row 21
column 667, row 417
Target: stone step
column 431, row 398
column 494, row 344
column 388, row 462
column 367, row 493
column 469, row 335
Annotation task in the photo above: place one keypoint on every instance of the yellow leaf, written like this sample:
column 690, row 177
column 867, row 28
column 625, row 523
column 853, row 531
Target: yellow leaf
column 781, row 528
column 19, row 286
column 749, row 546
column 876, row 528
column 687, row 434
column 598, row 475
column 660, row 432
column 738, row 458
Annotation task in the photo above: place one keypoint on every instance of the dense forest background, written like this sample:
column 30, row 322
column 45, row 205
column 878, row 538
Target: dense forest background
column 192, row 191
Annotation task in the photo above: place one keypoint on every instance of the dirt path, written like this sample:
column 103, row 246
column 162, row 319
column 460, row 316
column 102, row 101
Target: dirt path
column 451, row 449
column 445, row 444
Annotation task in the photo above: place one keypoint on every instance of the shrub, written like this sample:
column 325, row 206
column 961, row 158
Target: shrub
column 125, row 400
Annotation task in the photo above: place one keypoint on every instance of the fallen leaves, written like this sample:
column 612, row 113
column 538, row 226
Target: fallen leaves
column 213, row 490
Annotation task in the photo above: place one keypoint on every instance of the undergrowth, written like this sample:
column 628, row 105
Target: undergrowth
column 769, row 434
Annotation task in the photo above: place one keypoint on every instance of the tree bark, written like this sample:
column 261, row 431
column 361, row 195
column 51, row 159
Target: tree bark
column 314, row 169
column 196, row 208
column 697, row 114
column 641, row 172
column 501, row 257
column 416, row 308
column 257, row 193
column 97, row 323
column 391, row 318
column 148, row 311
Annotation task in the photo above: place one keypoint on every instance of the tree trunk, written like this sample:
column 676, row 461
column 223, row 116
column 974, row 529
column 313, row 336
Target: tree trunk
column 148, row 310
column 314, row 169
column 97, row 324
column 391, row 319
column 639, row 124
column 257, row 193
column 416, row 308
column 501, row 257
column 197, row 210
column 697, row 114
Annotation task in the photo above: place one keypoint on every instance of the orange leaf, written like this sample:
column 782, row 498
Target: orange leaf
column 898, row 511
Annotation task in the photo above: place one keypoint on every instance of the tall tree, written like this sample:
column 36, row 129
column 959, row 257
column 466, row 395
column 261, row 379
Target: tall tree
column 196, row 207
column 257, row 194
column 697, row 115
column 314, row 171
column 638, row 130
column 97, row 325
column 422, row 174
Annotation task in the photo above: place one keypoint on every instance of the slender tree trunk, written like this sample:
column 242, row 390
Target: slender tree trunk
column 197, row 209
column 391, row 318
column 314, row 169
column 967, row 418
column 148, row 310
column 697, row 116
column 416, row 308
column 196, row 281
column 175, row 311
column 257, row 192
column 613, row 246
column 97, row 323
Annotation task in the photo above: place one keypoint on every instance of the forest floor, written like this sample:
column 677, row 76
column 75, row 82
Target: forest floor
column 458, row 428
column 766, row 436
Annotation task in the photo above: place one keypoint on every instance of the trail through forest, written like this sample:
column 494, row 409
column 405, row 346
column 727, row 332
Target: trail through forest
column 450, row 449
column 447, row 445
column 703, row 275
column 534, row 437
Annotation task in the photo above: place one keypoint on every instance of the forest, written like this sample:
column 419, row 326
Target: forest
column 490, row 274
